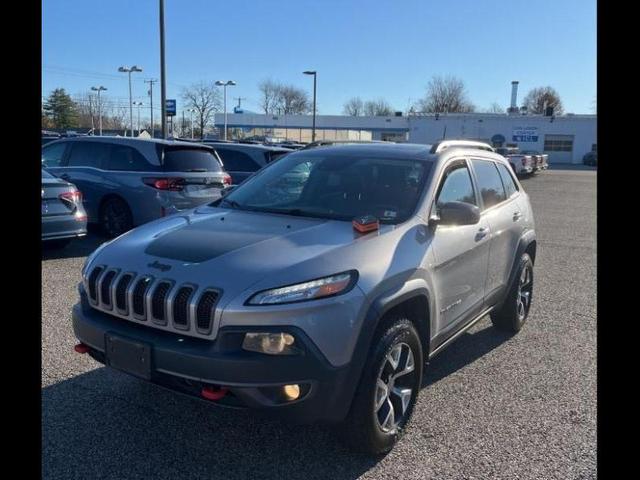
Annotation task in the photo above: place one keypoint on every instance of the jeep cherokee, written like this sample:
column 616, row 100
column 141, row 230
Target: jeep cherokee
column 321, row 286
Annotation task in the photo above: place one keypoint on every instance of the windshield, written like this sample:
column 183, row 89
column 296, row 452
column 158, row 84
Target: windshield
column 190, row 160
column 322, row 185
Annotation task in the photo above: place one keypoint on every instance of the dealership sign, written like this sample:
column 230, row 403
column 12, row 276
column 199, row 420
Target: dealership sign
column 525, row 134
column 170, row 107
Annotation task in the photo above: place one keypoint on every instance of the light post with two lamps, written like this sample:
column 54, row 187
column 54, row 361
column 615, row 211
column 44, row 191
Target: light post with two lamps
column 99, row 89
column 223, row 83
column 130, row 70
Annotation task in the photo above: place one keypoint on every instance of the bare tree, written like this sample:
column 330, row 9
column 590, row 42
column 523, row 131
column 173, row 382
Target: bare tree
column 87, row 110
column 353, row 107
column 292, row 101
column 205, row 99
column 379, row 107
column 495, row 107
column 445, row 94
column 543, row 97
column 269, row 95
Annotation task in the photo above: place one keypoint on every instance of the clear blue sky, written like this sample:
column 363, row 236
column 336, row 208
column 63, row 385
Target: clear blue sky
column 368, row 48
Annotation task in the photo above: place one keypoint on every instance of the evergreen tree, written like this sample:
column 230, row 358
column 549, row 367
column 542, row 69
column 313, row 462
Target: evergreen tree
column 60, row 109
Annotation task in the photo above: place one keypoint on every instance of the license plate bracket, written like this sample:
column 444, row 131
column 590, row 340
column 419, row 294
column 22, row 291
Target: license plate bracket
column 129, row 356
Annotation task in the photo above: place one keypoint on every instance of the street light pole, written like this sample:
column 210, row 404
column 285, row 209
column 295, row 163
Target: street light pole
column 99, row 89
column 138, row 104
column 151, row 82
column 163, row 83
column 191, row 110
column 313, row 128
column 224, row 84
column 130, row 71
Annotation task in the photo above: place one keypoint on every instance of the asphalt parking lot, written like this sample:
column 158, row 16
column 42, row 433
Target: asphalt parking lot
column 492, row 406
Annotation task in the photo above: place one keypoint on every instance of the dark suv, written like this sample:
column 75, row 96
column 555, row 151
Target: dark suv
column 243, row 160
column 129, row 181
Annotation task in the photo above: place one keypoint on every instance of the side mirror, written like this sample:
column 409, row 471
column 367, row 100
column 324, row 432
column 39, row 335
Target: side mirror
column 225, row 191
column 458, row 213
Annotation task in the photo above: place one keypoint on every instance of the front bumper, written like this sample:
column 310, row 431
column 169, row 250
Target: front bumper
column 187, row 364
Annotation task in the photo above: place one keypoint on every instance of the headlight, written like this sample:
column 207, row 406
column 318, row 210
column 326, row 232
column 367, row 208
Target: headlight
column 311, row 290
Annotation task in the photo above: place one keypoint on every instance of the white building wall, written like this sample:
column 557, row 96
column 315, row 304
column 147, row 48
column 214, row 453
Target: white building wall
column 432, row 128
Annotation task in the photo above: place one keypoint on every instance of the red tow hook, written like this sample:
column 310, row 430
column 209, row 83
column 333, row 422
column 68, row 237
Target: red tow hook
column 211, row 393
column 81, row 348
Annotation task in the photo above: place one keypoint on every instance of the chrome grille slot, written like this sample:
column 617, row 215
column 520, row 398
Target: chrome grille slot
column 158, row 301
column 121, row 292
column 105, row 288
column 181, row 307
column 138, row 296
column 205, row 309
column 93, row 288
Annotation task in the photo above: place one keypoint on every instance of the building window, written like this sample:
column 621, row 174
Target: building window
column 558, row 143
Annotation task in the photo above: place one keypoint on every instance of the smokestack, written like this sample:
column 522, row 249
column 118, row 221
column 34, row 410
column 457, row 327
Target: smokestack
column 514, row 96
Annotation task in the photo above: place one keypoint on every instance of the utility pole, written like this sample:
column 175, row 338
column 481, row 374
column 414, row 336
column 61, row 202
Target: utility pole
column 163, row 80
column 182, row 128
column 151, row 82
column 313, row 128
column 239, row 101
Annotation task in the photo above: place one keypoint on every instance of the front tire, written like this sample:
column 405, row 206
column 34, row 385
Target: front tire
column 514, row 311
column 388, row 389
column 115, row 217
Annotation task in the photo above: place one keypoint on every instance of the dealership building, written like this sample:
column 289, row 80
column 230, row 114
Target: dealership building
column 565, row 138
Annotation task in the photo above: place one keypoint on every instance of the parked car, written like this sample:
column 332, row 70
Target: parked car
column 63, row 216
column 541, row 159
column 243, row 160
column 520, row 163
column 590, row 158
column 325, row 305
column 128, row 181
column 49, row 138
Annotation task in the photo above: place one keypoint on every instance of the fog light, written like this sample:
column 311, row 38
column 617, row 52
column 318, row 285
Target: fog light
column 292, row 392
column 270, row 343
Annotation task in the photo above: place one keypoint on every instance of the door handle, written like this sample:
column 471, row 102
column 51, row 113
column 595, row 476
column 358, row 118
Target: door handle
column 481, row 233
column 516, row 216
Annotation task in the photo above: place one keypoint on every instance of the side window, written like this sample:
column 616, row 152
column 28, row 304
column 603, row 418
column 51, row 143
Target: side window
column 89, row 154
column 507, row 180
column 489, row 182
column 456, row 187
column 53, row 154
column 235, row 161
column 127, row 159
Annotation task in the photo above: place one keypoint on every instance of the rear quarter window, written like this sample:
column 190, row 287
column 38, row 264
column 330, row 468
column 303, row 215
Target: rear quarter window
column 185, row 159
column 125, row 158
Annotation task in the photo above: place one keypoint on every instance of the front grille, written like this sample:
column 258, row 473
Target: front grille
column 93, row 279
column 121, row 291
column 204, row 311
column 138, row 296
column 158, row 300
column 181, row 306
column 159, row 303
column 105, row 288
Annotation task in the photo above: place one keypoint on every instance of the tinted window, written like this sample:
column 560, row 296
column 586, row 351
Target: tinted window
column 190, row 159
column 127, row 158
column 52, row 155
column 456, row 187
column 317, row 184
column 89, row 154
column 507, row 180
column 235, row 161
column 489, row 182
column 274, row 155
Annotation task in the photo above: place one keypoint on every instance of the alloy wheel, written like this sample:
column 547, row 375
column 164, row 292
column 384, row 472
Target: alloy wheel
column 525, row 289
column 394, row 388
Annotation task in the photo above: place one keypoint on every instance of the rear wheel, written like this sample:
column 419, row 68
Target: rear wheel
column 388, row 389
column 513, row 313
column 115, row 217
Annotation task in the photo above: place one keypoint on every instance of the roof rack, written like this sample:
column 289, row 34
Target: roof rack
column 440, row 146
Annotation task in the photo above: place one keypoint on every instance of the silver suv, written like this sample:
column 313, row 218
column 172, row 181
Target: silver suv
column 321, row 300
